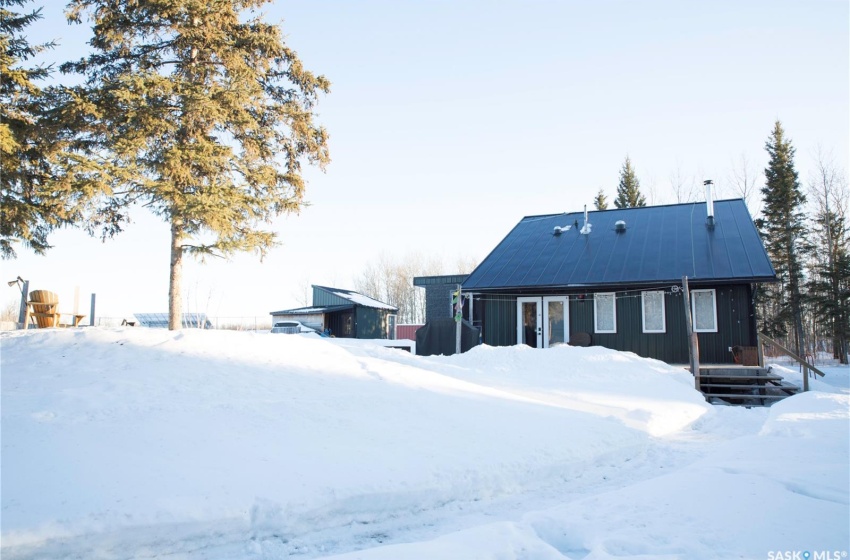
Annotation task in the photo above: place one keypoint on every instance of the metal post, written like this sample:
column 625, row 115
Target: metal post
column 91, row 313
column 458, row 319
column 693, row 341
column 22, row 313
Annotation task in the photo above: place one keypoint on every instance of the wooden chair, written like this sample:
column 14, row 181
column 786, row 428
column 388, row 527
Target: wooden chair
column 43, row 307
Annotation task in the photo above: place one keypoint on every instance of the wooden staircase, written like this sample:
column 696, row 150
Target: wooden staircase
column 743, row 385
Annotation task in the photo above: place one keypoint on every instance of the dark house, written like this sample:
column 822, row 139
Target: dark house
column 616, row 280
column 347, row 314
column 438, row 294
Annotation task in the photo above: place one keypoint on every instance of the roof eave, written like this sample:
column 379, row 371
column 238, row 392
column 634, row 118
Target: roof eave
column 633, row 283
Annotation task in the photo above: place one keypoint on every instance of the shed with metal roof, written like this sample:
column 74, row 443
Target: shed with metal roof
column 343, row 313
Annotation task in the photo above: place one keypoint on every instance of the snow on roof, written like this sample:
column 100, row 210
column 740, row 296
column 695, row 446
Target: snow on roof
column 311, row 310
column 357, row 298
column 365, row 301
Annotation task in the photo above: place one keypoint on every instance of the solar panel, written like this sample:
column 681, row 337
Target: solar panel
column 160, row 320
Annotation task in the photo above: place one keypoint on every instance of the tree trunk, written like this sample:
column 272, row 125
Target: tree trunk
column 175, row 302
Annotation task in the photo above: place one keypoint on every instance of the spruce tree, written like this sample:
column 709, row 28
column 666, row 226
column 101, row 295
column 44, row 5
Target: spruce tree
column 628, row 191
column 31, row 204
column 784, row 233
column 601, row 201
column 200, row 112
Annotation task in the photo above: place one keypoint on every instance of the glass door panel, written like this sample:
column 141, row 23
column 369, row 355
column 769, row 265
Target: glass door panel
column 555, row 320
column 529, row 322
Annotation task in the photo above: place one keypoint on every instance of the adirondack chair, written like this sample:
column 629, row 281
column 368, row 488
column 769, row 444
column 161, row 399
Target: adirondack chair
column 43, row 306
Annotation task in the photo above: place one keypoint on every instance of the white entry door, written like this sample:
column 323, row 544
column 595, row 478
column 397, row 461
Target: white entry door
column 543, row 321
column 529, row 321
column 556, row 320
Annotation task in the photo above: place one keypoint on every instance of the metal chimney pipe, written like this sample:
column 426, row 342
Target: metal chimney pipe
column 709, row 203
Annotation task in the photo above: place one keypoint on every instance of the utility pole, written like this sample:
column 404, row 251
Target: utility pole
column 458, row 318
column 693, row 341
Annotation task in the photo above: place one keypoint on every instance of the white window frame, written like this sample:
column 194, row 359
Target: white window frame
column 613, row 296
column 694, row 309
column 663, row 311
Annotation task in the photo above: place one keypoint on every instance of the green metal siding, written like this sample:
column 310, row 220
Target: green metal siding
column 733, row 322
column 499, row 322
column 322, row 298
column 370, row 323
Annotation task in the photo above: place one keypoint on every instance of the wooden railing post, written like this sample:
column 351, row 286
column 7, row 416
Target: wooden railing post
column 806, row 366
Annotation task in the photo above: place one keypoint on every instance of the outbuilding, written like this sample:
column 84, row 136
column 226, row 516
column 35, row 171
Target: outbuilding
column 343, row 313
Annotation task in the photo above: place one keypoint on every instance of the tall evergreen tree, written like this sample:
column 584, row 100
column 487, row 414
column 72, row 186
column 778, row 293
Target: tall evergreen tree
column 783, row 230
column 628, row 191
column 601, row 201
column 31, row 206
column 200, row 113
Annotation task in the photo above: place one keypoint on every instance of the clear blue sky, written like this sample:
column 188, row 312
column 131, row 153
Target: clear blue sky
column 449, row 121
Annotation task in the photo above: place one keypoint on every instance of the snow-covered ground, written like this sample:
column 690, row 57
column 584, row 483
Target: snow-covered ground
column 128, row 443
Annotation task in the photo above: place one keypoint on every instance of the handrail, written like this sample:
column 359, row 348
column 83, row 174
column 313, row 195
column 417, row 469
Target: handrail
column 766, row 339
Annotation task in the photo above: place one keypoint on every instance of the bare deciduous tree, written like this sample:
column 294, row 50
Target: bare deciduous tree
column 744, row 181
column 391, row 280
column 829, row 264
column 684, row 187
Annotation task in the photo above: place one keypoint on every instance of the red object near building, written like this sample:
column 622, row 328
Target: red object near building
column 407, row 332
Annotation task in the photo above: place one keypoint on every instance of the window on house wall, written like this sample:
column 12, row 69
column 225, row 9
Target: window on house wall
column 604, row 313
column 654, row 320
column 704, row 309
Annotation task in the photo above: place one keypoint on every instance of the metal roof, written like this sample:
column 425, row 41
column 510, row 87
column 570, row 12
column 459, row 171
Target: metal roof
column 313, row 310
column 439, row 280
column 659, row 244
column 354, row 297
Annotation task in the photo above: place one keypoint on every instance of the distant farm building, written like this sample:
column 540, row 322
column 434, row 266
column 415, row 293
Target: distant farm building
column 344, row 314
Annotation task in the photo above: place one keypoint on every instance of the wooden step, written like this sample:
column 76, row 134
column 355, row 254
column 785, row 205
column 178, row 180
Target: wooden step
column 745, row 397
column 744, row 378
column 742, row 385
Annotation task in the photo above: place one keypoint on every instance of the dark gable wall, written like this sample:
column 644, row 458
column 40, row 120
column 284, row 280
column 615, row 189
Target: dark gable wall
column 735, row 325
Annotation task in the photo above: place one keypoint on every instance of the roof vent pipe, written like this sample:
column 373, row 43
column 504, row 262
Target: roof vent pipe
column 709, row 203
column 585, row 230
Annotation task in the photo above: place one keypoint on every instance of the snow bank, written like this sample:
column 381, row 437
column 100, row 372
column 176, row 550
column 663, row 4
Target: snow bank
column 648, row 395
column 112, row 428
column 782, row 491
column 217, row 445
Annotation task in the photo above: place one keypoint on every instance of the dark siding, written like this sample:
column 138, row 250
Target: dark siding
column 438, row 299
column 341, row 323
column 499, row 321
column 733, row 318
column 669, row 346
column 370, row 323
column 324, row 298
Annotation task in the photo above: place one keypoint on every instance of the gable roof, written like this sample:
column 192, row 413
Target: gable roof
column 660, row 244
column 338, row 296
